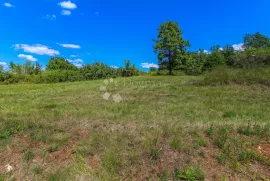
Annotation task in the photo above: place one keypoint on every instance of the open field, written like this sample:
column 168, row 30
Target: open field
column 165, row 128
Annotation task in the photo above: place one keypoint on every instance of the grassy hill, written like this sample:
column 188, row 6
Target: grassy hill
column 150, row 128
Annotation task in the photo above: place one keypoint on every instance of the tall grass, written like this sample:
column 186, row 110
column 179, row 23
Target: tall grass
column 222, row 76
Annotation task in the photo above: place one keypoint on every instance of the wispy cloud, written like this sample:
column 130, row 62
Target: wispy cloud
column 77, row 62
column 66, row 12
column 115, row 67
column 73, row 56
column 97, row 13
column 27, row 57
column 148, row 65
column 70, row 46
column 3, row 63
column 8, row 5
column 37, row 49
column 238, row 47
column 67, row 5
column 50, row 17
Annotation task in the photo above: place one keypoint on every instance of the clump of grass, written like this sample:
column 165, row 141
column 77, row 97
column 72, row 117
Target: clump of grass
column 58, row 176
column 111, row 161
column 176, row 143
column 58, row 141
column 210, row 130
column 29, row 156
column 154, row 154
column 200, row 142
column 11, row 126
column 229, row 114
column 96, row 143
column 248, row 155
column 190, row 174
column 37, row 169
column 222, row 158
column 222, row 136
column 256, row 129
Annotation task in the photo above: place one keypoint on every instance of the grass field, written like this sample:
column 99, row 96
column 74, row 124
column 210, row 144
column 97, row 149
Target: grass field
column 164, row 128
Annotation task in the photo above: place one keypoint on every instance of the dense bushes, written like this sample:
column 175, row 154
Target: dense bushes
column 61, row 70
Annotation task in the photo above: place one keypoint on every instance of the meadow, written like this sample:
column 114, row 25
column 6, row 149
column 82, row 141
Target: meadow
column 161, row 128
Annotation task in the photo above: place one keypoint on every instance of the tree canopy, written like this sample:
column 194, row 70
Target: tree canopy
column 170, row 45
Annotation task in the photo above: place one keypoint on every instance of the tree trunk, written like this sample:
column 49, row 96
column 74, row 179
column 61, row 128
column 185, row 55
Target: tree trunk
column 170, row 63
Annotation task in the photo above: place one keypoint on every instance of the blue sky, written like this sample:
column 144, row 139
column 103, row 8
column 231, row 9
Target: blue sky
column 112, row 31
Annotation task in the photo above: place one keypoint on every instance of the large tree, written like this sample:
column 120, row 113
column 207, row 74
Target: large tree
column 170, row 45
column 256, row 40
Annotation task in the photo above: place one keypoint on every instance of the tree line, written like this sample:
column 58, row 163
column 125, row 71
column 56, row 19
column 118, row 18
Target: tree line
column 173, row 56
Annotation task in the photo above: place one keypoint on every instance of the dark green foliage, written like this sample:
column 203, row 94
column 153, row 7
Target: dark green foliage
column 256, row 40
column 215, row 59
column 57, row 63
column 252, row 58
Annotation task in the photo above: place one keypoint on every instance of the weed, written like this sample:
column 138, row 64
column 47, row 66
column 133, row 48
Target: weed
column 210, row 131
column 111, row 161
column 176, row 143
column 37, row 169
column 229, row 114
column 154, row 154
column 190, row 174
column 222, row 158
column 199, row 142
column 29, row 156
column 222, row 136
column 248, row 155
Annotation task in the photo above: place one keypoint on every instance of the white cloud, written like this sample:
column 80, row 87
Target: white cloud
column 77, row 62
column 79, row 65
column 115, row 67
column 67, row 5
column 97, row 13
column 72, row 56
column 238, row 47
column 148, row 65
column 70, row 46
column 37, row 49
column 3, row 63
column 49, row 17
column 8, row 5
column 27, row 57
column 66, row 12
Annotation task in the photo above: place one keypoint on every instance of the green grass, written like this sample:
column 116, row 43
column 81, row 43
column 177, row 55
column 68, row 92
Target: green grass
column 162, row 123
